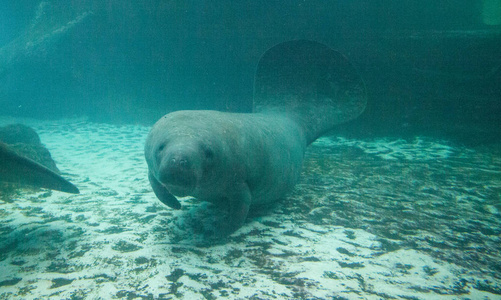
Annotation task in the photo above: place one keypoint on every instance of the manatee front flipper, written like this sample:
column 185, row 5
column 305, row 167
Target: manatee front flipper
column 162, row 193
column 239, row 209
column 21, row 170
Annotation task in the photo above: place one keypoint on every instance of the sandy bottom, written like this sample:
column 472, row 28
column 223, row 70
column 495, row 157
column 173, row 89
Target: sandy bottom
column 378, row 219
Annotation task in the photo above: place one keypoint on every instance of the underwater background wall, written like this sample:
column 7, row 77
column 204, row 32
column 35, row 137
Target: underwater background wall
column 431, row 67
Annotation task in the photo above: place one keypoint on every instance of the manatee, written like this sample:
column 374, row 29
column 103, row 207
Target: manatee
column 302, row 90
column 20, row 170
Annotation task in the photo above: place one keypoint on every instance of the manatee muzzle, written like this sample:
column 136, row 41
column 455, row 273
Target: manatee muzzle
column 178, row 172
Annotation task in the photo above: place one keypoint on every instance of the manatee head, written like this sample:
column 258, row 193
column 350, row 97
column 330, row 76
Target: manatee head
column 178, row 157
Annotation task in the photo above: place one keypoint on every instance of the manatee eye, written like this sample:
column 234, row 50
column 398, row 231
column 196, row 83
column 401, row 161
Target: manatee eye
column 207, row 151
column 161, row 147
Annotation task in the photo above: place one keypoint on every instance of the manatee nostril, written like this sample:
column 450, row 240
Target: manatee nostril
column 183, row 163
column 179, row 162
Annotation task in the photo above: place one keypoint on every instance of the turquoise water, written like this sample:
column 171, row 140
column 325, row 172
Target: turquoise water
column 401, row 203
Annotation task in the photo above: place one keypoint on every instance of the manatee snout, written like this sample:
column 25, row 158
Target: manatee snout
column 176, row 169
column 179, row 169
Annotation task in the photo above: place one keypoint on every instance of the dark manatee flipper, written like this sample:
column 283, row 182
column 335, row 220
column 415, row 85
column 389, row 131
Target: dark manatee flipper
column 20, row 170
column 314, row 84
column 236, row 160
column 162, row 193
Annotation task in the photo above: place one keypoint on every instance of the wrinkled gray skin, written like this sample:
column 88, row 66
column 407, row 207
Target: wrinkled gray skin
column 233, row 160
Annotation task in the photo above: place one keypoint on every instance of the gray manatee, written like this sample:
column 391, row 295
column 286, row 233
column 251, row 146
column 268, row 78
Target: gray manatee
column 21, row 170
column 235, row 160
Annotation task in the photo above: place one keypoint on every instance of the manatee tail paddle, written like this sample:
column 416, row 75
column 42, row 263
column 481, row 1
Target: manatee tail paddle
column 24, row 171
column 315, row 85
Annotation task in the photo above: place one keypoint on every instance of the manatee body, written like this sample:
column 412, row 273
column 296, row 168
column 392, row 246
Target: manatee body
column 226, row 158
column 302, row 89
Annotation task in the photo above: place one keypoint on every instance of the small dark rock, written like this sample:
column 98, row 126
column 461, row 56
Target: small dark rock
column 124, row 246
column 175, row 275
column 10, row 282
column 58, row 282
column 351, row 265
